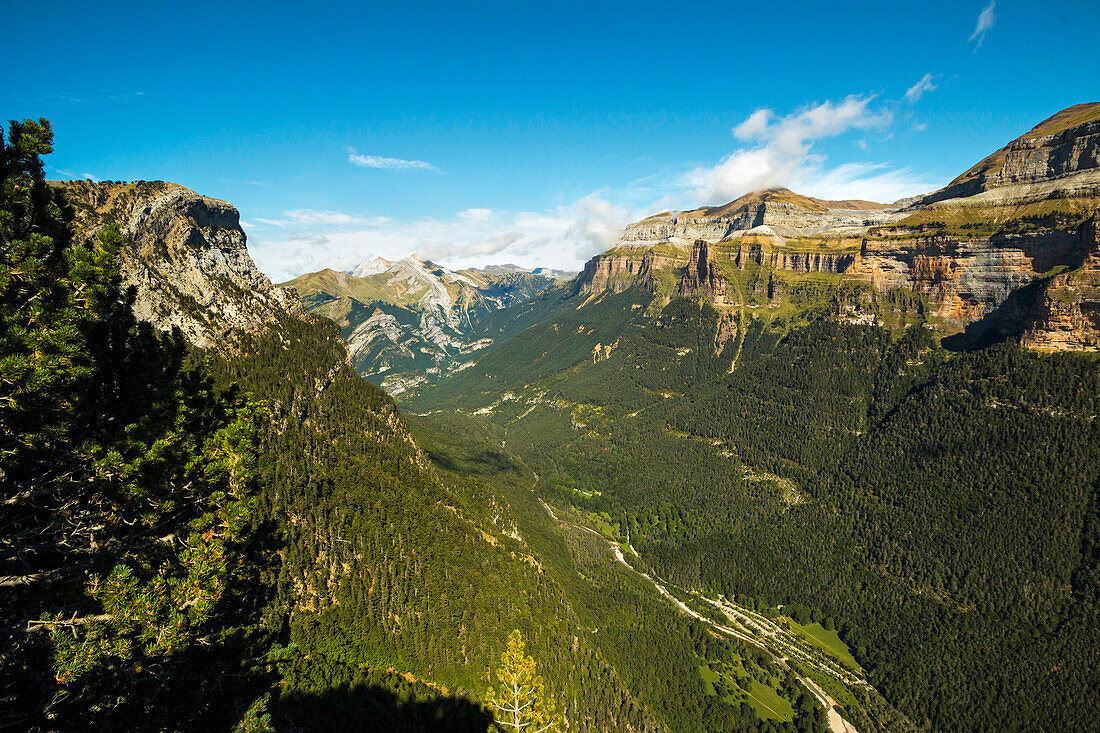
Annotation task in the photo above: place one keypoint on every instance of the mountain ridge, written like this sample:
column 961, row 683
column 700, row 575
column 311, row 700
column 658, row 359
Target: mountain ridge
column 960, row 253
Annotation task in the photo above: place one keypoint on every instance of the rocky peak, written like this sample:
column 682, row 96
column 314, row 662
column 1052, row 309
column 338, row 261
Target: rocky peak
column 1063, row 145
column 371, row 267
column 185, row 255
column 782, row 212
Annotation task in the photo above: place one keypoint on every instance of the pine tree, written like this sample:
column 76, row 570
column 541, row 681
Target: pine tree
column 521, row 703
column 126, row 486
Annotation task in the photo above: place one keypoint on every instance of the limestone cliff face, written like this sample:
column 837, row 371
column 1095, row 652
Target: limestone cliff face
column 766, row 254
column 702, row 276
column 780, row 210
column 185, row 255
column 965, row 280
column 1066, row 313
column 959, row 256
column 624, row 267
column 962, row 280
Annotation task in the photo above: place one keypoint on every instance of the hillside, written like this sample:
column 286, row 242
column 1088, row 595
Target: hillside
column 392, row 567
column 780, row 465
column 772, row 424
column 880, row 485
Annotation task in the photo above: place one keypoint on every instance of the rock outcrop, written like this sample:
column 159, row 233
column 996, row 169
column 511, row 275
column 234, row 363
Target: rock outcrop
column 409, row 320
column 780, row 210
column 1066, row 313
column 626, row 266
column 702, row 276
column 185, row 255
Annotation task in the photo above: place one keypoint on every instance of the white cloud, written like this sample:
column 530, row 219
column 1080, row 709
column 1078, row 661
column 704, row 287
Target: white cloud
column 476, row 214
column 597, row 224
column 379, row 161
column 915, row 92
column 311, row 218
column 76, row 176
column 985, row 21
column 563, row 236
column 754, row 126
column 775, row 150
column 784, row 156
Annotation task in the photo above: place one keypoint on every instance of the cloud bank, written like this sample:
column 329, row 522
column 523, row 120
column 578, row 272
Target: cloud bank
column 304, row 240
column 770, row 149
column 781, row 153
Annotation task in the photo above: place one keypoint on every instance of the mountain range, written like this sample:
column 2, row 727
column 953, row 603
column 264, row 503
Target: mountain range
column 781, row 464
column 981, row 258
column 408, row 321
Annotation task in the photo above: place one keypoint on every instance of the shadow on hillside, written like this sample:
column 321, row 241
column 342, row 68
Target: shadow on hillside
column 371, row 708
column 1002, row 324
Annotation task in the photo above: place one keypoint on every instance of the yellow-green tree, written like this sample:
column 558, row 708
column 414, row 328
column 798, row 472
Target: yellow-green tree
column 520, row 704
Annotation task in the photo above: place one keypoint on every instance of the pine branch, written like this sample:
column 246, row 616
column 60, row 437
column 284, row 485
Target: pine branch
column 46, row 625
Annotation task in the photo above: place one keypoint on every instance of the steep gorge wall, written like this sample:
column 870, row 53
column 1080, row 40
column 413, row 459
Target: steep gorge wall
column 963, row 280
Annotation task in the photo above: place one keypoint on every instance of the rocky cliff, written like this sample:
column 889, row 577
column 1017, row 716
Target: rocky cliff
column 1065, row 315
column 186, row 257
column 956, row 256
column 702, row 276
column 628, row 265
column 783, row 212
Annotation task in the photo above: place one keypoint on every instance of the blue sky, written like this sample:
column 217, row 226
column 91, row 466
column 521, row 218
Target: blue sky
column 474, row 133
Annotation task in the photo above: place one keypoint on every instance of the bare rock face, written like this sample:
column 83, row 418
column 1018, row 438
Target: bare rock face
column 702, row 276
column 965, row 280
column 971, row 256
column 623, row 267
column 782, row 211
column 1066, row 313
column 764, row 252
column 185, row 255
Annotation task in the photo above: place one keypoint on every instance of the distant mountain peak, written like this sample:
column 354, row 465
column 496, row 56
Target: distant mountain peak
column 371, row 267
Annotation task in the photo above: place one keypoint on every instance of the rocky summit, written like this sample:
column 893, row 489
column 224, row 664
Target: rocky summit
column 408, row 321
column 186, row 257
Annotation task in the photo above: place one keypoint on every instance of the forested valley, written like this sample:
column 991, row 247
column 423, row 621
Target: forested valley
column 695, row 518
column 255, row 539
column 938, row 509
